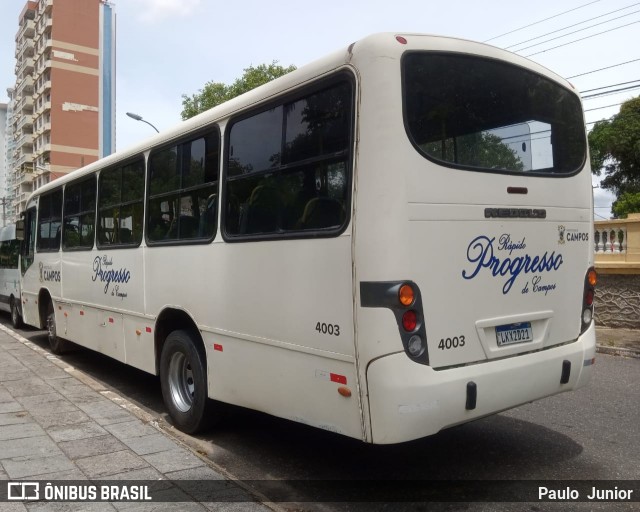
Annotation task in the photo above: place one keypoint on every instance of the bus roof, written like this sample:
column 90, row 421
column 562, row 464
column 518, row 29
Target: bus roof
column 385, row 43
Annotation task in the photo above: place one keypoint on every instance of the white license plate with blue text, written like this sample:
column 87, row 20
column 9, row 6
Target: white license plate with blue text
column 514, row 333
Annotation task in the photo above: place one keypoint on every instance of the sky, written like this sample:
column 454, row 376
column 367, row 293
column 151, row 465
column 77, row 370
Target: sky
column 166, row 48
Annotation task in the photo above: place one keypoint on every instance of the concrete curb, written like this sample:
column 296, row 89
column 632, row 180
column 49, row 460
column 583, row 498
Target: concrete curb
column 618, row 351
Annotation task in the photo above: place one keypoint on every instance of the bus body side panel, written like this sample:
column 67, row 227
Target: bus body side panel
column 106, row 286
column 264, row 310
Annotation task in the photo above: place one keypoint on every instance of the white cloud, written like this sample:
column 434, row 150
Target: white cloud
column 152, row 11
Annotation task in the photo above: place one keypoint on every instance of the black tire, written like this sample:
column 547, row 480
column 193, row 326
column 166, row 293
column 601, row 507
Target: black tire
column 16, row 317
column 57, row 344
column 183, row 378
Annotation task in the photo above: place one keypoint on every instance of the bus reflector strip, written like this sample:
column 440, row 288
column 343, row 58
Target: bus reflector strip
column 81, row 313
column 340, row 379
column 110, row 320
column 217, row 347
column 332, row 377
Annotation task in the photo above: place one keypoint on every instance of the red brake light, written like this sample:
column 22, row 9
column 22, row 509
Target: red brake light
column 588, row 297
column 410, row 320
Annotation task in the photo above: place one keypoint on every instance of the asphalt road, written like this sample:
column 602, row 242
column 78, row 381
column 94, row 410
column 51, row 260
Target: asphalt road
column 590, row 434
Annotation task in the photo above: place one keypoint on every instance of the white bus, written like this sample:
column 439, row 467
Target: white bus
column 392, row 240
column 10, row 274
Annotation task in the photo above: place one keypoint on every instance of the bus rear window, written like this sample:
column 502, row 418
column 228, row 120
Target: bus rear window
column 483, row 114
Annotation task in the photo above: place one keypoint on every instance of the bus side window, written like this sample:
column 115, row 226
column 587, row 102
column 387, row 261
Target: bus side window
column 120, row 200
column 182, row 179
column 288, row 166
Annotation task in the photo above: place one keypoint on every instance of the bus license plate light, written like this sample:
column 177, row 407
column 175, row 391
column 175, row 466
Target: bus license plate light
column 511, row 334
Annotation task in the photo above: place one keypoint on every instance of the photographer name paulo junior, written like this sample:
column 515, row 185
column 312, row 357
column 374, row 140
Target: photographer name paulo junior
column 595, row 494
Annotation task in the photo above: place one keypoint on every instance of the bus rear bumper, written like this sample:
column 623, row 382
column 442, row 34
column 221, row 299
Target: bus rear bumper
column 409, row 401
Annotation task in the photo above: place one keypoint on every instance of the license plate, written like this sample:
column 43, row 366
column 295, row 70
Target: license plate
column 514, row 333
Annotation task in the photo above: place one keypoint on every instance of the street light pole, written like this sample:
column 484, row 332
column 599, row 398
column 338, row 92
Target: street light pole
column 139, row 118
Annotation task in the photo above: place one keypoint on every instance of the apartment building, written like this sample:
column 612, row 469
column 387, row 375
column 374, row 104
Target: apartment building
column 63, row 99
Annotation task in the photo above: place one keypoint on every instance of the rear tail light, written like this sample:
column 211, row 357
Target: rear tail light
column 409, row 321
column 590, row 282
column 404, row 299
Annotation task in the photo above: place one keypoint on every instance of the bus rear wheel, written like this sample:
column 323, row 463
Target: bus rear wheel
column 57, row 344
column 16, row 317
column 183, row 379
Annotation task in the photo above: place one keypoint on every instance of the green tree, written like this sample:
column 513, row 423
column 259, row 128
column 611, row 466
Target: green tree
column 627, row 203
column 214, row 93
column 615, row 152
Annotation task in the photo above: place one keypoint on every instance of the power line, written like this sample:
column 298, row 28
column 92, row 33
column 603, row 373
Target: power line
column 602, row 69
column 576, row 24
column 607, row 93
column 575, row 31
column 582, row 39
column 608, row 86
column 541, row 21
column 600, row 108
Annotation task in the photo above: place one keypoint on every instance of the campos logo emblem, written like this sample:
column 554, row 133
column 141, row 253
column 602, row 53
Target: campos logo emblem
column 571, row 235
column 47, row 274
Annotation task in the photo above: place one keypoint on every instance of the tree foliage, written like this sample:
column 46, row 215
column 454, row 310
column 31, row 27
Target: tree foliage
column 215, row 93
column 627, row 203
column 615, row 150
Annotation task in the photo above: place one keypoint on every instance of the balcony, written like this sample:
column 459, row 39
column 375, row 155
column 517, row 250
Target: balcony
column 43, row 67
column 25, row 86
column 24, row 122
column 44, row 86
column 42, row 149
column 44, row 24
column 24, row 158
column 27, row 30
column 25, row 49
column 45, row 6
column 44, row 43
column 24, row 67
column 44, row 107
column 25, row 141
column 25, row 104
column 42, row 128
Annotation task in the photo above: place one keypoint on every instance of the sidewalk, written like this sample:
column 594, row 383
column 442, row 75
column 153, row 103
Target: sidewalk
column 58, row 424
column 619, row 342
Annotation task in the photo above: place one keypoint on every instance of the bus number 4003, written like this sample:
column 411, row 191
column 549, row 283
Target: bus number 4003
column 332, row 329
column 455, row 342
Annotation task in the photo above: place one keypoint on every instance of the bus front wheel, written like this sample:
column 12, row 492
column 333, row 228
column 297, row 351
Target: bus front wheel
column 16, row 317
column 57, row 344
column 183, row 379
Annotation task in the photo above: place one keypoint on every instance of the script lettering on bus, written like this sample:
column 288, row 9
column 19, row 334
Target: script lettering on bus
column 104, row 272
column 483, row 253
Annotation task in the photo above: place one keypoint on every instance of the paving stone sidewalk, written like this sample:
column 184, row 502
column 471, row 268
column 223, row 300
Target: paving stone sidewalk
column 58, row 424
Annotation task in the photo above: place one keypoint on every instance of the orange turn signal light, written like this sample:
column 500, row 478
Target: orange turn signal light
column 592, row 277
column 344, row 391
column 406, row 295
